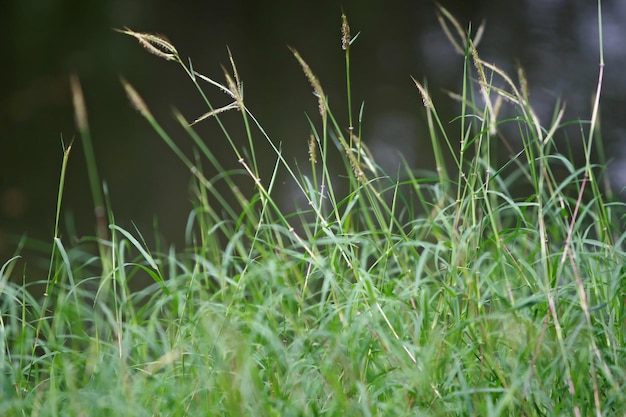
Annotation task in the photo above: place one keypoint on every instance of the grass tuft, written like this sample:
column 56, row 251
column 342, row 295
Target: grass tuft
column 441, row 293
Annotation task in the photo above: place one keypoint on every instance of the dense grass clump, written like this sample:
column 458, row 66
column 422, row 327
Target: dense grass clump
column 445, row 294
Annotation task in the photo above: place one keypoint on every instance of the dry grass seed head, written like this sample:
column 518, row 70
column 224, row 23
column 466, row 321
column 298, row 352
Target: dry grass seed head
column 136, row 100
column 345, row 32
column 352, row 159
column 317, row 87
column 458, row 46
column 155, row 44
column 523, row 81
column 234, row 67
column 78, row 99
column 428, row 103
column 478, row 65
column 485, row 87
column 444, row 16
column 235, row 89
column 231, row 106
column 479, row 32
column 312, row 149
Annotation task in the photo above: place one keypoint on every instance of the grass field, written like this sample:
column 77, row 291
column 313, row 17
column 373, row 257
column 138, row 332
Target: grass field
column 445, row 294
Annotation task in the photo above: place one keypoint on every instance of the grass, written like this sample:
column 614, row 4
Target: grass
column 435, row 295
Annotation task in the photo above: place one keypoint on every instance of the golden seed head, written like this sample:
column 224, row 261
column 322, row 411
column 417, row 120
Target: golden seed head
column 317, row 87
column 312, row 149
column 136, row 100
column 478, row 64
column 345, row 32
column 80, row 110
column 234, row 88
column 155, row 44
column 428, row 103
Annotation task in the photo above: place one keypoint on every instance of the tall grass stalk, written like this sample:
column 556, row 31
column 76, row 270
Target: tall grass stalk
column 451, row 293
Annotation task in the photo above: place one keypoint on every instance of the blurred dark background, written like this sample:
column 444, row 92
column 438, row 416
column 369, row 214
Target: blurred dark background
column 44, row 42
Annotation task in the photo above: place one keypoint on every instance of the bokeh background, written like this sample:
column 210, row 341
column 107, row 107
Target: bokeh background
column 43, row 42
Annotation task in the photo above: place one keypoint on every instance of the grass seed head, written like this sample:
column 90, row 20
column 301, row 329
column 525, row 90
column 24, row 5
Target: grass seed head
column 136, row 100
column 317, row 87
column 78, row 99
column 424, row 93
column 345, row 32
column 155, row 44
column 312, row 149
